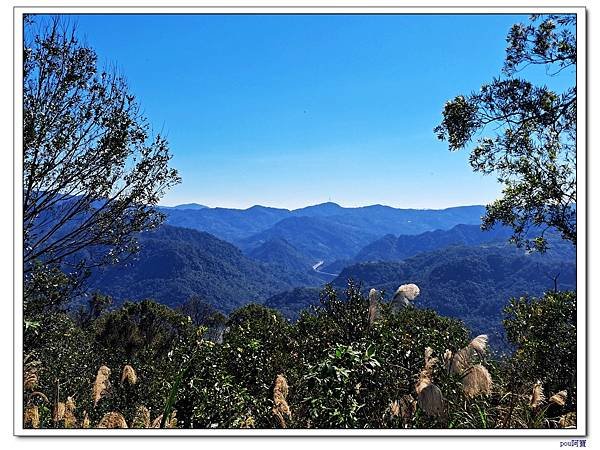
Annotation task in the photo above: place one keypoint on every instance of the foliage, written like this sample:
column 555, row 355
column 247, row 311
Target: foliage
column 545, row 335
column 47, row 289
column 343, row 370
column 533, row 147
column 472, row 283
column 91, row 172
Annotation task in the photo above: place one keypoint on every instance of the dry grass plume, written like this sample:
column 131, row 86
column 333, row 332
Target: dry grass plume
column 248, row 422
column 569, row 420
column 461, row 361
column 408, row 291
column 429, row 396
column 101, row 385
column 537, row 395
column 560, row 398
column 142, row 418
column 171, row 423
column 31, row 416
column 112, row 420
column 477, row 381
column 373, row 306
column 85, row 422
column 69, row 418
column 128, row 375
column 58, row 412
column 281, row 410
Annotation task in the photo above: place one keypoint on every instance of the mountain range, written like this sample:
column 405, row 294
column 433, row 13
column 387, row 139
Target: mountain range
column 246, row 225
column 282, row 258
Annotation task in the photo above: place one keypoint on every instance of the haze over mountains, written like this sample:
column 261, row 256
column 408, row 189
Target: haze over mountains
column 230, row 257
column 235, row 225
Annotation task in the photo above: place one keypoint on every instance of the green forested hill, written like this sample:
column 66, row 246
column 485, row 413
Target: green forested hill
column 176, row 263
column 470, row 283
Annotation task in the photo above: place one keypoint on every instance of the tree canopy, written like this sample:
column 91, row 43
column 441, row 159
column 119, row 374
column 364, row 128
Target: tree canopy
column 528, row 133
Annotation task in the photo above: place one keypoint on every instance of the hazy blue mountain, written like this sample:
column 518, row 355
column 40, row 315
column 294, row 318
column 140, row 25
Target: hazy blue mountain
column 234, row 225
column 470, row 283
column 190, row 206
column 396, row 248
column 316, row 238
column 279, row 252
column 227, row 224
column 379, row 220
column 293, row 266
column 320, row 210
column 176, row 263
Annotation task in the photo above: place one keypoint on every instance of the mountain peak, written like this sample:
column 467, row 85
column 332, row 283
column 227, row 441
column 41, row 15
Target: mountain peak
column 320, row 209
column 190, row 206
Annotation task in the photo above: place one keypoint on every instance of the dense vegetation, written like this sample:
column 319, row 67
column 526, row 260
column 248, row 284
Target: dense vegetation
column 176, row 263
column 339, row 366
column 470, row 283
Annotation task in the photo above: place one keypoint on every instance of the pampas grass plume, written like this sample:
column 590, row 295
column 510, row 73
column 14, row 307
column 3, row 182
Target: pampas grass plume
column 408, row 291
column 447, row 359
column 373, row 306
column 479, row 344
column 407, row 406
column 537, row 395
column 431, row 400
column 129, row 375
column 569, row 420
column 477, row 381
column 69, row 414
column 171, row 423
column 101, row 384
column 559, row 398
column 281, row 408
column 32, row 416
column 85, row 422
column 112, row 420
column 58, row 412
column 142, row 418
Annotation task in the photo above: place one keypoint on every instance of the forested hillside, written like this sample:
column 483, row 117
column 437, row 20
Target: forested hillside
column 176, row 263
column 469, row 283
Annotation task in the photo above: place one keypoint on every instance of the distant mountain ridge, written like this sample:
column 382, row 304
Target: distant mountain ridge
column 189, row 206
column 320, row 232
column 397, row 248
column 315, row 237
column 236, row 224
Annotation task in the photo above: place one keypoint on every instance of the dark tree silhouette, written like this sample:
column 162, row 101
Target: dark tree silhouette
column 92, row 173
column 532, row 143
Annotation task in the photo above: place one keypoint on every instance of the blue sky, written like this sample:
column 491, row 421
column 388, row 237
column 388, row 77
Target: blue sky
column 288, row 111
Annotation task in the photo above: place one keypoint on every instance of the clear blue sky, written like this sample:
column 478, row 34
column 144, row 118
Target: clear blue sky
column 289, row 111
